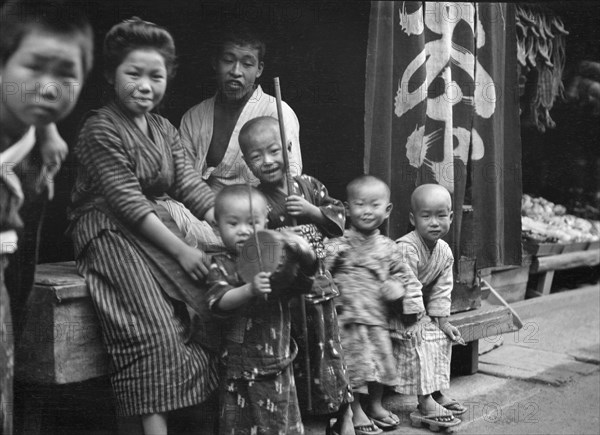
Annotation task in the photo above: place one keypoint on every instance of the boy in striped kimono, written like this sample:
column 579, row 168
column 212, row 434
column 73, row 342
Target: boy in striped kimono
column 422, row 336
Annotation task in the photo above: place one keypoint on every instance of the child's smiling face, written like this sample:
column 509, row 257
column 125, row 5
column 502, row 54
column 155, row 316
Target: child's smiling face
column 368, row 206
column 41, row 80
column 140, row 81
column 263, row 155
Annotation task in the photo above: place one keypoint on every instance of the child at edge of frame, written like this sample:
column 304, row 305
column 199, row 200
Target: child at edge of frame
column 46, row 59
column 257, row 388
column 421, row 335
column 309, row 211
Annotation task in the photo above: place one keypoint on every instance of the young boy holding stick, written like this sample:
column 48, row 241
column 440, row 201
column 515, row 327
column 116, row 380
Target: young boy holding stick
column 257, row 389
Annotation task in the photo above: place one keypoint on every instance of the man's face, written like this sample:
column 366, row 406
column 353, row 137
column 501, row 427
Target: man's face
column 237, row 69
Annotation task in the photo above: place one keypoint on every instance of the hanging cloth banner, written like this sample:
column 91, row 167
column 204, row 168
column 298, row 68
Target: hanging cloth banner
column 441, row 96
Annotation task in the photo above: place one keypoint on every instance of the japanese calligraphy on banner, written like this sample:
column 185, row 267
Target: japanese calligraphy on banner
column 441, row 107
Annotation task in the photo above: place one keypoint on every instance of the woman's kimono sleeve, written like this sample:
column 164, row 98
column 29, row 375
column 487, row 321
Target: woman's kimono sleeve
column 189, row 188
column 111, row 172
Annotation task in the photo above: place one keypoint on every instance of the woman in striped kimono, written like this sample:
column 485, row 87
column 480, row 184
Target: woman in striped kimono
column 142, row 276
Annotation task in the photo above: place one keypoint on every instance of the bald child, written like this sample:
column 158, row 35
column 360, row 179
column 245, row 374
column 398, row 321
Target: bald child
column 424, row 365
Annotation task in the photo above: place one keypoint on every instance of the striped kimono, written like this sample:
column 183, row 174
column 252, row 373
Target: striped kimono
column 196, row 132
column 139, row 292
column 422, row 351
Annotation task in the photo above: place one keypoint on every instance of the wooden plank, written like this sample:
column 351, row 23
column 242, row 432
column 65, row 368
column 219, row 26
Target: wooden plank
column 566, row 261
column 486, row 321
column 62, row 280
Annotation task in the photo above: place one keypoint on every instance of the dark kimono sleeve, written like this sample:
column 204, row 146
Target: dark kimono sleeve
column 110, row 171
column 189, row 187
column 218, row 285
column 333, row 209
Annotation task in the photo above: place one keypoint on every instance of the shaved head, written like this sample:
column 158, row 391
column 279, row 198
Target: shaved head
column 429, row 192
column 254, row 128
column 364, row 181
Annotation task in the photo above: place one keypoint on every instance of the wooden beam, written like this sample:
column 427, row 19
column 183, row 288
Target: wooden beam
column 487, row 321
column 570, row 260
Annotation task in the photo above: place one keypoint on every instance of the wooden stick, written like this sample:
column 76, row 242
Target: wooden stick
column 258, row 253
column 290, row 189
column 255, row 234
column 284, row 150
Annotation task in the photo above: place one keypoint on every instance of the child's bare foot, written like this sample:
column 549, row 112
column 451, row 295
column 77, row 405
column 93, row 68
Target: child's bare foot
column 450, row 404
column 382, row 417
column 429, row 407
column 361, row 422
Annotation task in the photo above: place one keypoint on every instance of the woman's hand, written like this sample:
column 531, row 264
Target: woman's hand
column 194, row 261
column 299, row 207
column 261, row 285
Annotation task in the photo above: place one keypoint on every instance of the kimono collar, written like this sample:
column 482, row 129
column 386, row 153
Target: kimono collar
column 357, row 235
column 430, row 250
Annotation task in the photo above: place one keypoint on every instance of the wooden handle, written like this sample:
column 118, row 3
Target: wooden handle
column 284, row 150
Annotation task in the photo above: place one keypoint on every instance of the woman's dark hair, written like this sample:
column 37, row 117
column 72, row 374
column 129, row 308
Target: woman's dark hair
column 18, row 18
column 134, row 34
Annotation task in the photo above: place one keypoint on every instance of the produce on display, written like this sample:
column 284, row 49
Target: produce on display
column 544, row 221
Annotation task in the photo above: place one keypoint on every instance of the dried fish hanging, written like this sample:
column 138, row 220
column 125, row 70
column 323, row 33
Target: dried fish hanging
column 541, row 59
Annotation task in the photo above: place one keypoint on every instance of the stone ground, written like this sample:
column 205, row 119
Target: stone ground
column 542, row 379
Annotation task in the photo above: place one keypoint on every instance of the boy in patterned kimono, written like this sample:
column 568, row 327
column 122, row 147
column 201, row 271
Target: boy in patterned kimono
column 422, row 336
column 368, row 271
column 310, row 212
column 257, row 389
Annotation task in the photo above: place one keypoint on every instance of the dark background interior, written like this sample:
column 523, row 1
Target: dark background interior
column 563, row 164
column 318, row 50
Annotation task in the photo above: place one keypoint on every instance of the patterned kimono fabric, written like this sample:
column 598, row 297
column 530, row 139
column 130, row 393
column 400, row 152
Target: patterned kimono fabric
column 139, row 292
column 330, row 387
column 257, row 391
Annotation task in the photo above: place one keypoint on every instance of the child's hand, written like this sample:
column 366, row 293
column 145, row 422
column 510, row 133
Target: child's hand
column 300, row 249
column 449, row 329
column 297, row 206
column 261, row 285
column 54, row 151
